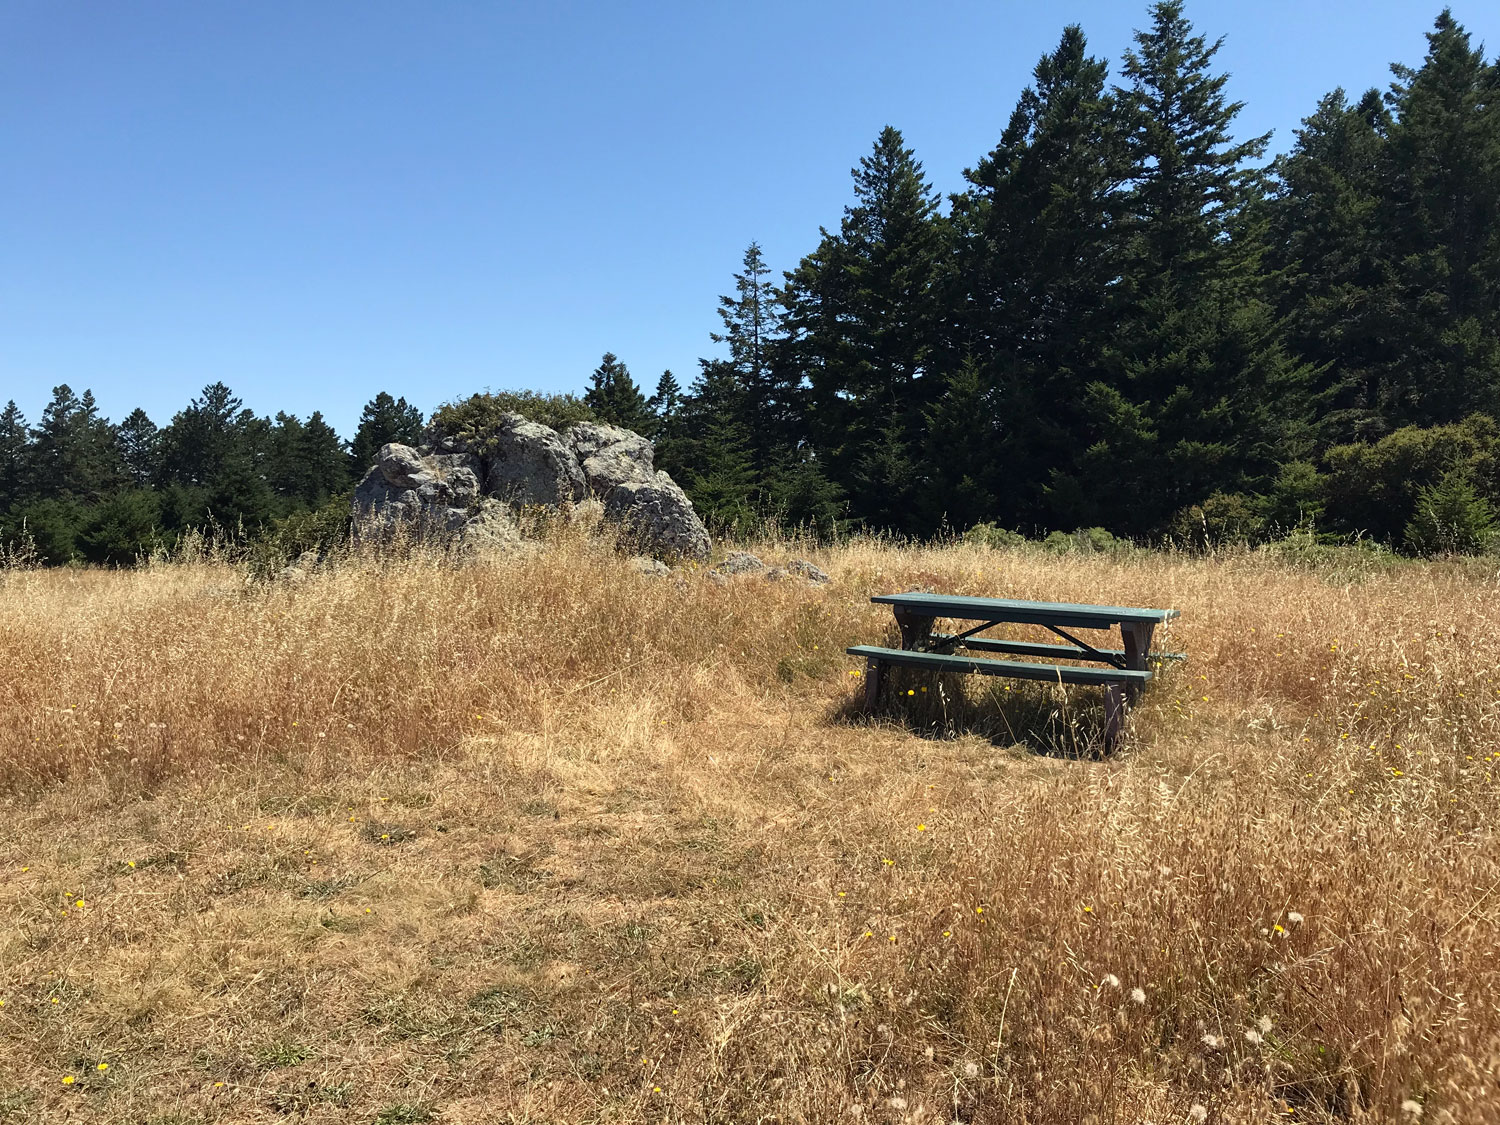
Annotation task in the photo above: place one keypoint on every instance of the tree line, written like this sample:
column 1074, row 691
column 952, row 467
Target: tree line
column 76, row 486
column 1127, row 319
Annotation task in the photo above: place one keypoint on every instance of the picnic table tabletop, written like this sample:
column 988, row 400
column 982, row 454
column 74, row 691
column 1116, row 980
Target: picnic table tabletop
column 1080, row 616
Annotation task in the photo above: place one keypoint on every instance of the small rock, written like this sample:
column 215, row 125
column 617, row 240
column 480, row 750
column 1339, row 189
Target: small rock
column 740, row 562
column 651, row 568
column 442, row 443
column 804, row 569
column 776, row 574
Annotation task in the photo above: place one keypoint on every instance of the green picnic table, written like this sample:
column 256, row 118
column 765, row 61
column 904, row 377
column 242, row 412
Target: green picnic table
column 1124, row 673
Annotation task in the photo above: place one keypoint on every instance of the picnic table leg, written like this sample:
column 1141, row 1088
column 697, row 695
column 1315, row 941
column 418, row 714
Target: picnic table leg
column 1137, row 636
column 872, row 682
column 1114, row 715
column 915, row 628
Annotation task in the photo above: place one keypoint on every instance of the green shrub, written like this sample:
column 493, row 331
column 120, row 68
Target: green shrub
column 1224, row 518
column 476, row 418
column 1087, row 541
column 1295, row 499
column 322, row 531
column 49, row 528
column 992, row 535
column 123, row 529
column 1338, row 557
column 1451, row 518
column 1374, row 488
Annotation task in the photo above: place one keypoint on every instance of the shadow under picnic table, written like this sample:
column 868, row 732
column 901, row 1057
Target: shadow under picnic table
column 1036, row 717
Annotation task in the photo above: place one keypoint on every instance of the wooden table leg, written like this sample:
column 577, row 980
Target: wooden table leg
column 1137, row 635
column 915, row 628
column 1114, row 715
column 872, row 682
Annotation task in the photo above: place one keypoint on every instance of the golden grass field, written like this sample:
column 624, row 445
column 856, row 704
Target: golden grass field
column 542, row 840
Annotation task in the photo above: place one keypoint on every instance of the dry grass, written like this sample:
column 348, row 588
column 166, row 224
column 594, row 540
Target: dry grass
column 543, row 840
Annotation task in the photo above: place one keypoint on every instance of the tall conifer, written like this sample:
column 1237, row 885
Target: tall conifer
column 1336, row 277
column 1197, row 396
column 15, row 450
column 615, row 398
column 74, row 455
column 140, row 447
column 1036, row 259
column 384, row 419
column 864, row 321
column 1442, row 225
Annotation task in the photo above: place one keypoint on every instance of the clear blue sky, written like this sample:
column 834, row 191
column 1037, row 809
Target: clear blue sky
column 317, row 200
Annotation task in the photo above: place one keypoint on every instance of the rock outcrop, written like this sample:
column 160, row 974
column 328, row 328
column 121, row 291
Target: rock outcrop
column 532, row 465
column 448, row 488
column 654, row 515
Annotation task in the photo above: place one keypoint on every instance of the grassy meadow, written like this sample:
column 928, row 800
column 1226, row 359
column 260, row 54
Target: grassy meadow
column 539, row 839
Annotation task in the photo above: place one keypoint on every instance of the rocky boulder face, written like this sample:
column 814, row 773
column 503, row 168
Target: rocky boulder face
column 531, row 464
column 655, row 516
column 426, row 493
column 445, row 488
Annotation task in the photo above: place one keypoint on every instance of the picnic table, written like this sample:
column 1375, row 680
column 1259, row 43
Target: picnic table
column 1126, row 669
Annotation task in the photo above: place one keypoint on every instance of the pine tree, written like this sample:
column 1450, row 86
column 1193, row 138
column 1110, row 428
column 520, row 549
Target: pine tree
column 965, row 432
column 1198, row 396
column 73, row 454
column 384, row 419
column 668, row 398
column 713, row 455
column 325, row 461
column 863, row 317
column 614, row 397
column 122, row 529
column 771, row 390
column 140, row 447
column 1337, row 278
column 1036, row 259
column 666, row 406
column 1191, row 179
column 285, row 471
column 215, row 452
column 203, row 436
column 1451, row 518
column 1441, row 225
column 15, row 456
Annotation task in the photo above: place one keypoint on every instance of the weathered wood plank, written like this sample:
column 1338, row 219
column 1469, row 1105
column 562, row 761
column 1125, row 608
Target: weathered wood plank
column 1015, row 669
column 1066, row 614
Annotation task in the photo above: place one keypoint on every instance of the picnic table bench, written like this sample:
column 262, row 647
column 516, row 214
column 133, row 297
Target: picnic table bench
column 1126, row 670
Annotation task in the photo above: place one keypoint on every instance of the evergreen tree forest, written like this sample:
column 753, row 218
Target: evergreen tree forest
column 1130, row 318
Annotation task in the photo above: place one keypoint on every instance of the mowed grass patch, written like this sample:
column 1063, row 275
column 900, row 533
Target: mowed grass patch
column 540, row 838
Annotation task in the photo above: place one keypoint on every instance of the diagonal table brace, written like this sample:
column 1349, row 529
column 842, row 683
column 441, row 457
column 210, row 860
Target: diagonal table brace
column 959, row 638
column 1090, row 650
